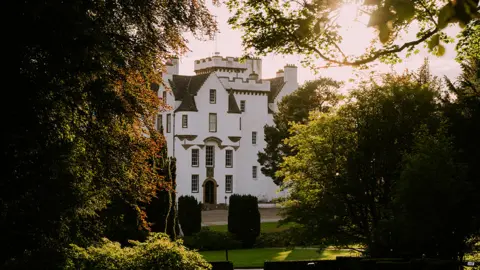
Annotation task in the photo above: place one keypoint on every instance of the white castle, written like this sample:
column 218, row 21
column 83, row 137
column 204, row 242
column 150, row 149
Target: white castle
column 215, row 125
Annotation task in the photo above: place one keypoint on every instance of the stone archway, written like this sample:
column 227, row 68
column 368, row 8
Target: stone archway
column 210, row 191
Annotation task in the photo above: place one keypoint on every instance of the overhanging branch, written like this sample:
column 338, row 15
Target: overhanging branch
column 371, row 58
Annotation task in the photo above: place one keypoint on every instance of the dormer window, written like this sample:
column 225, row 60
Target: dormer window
column 213, row 96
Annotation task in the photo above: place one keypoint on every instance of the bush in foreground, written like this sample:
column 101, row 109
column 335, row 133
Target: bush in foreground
column 157, row 252
column 189, row 215
column 244, row 218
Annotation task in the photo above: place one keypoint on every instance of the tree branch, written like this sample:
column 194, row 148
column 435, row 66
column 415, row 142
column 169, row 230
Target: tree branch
column 429, row 13
column 369, row 59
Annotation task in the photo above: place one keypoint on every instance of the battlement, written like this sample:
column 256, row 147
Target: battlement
column 219, row 62
column 232, row 65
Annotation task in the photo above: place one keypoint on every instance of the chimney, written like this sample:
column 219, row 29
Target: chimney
column 173, row 66
column 280, row 73
column 253, row 77
column 291, row 75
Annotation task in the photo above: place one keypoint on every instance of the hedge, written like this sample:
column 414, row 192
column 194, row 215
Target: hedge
column 221, row 265
column 189, row 215
column 207, row 239
column 244, row 219
column 363, row 264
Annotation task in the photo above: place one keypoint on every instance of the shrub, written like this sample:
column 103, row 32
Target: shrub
column 244, row 219
column 273, row 239
column 207, row 239
column 189, row 215
column 157, row 252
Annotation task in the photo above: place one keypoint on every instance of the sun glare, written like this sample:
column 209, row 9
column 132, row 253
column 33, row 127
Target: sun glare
column 353, row 28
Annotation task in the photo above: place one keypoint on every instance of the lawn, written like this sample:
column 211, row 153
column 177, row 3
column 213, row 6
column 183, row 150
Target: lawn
column 256, row 257
column 264, row 227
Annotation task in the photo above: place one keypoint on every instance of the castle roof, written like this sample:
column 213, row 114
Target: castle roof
column 276, row 85
column 185, row 88
column 187, row 84
column 232, row 104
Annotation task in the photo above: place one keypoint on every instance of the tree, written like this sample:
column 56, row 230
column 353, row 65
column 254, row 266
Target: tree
column 342, row 177
column 244, row 219
column 432, row 199
column 81, row 120
column 162, row 209
column 462, row 109
column 318, row 95
column 309, row 28
column 189, row 215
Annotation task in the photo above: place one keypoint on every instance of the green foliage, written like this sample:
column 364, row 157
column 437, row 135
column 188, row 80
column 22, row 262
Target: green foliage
column 189, row 215
column 287, row 238
column 319, row 95
column 81, row 131
column 244, row 218
column 157, row 252
column 345, row 179
column 310, row 28
column 208, row 239
column 432, row 198
column 468, row 45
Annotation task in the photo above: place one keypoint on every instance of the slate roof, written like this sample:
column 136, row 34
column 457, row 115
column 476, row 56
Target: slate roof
column 182, row 84
column 185, row 88
column 232, row 104
column 188, row 104
column 276, row 85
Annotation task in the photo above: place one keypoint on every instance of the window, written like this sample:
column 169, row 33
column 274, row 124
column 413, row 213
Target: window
column 212, row 122
column 229, row 158
column 195, row 183
column 242, row 105
column 195, row 157
column 159, row 122
column 254, row 172
column 228, row 183
column 213, row 96
column 184, row 121
column 169, row 122
column 254, row 137
column 240, row 121
column 210, row 156
column 164, row 96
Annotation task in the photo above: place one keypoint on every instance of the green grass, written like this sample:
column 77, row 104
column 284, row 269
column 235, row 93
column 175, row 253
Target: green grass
column 256, row 257
column 264, row 227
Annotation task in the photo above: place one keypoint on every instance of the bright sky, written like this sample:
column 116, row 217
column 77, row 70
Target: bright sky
column 356, row 37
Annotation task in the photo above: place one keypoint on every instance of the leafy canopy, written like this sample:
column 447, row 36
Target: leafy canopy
column 81, row 119
column 318, row 95
column 310, row 27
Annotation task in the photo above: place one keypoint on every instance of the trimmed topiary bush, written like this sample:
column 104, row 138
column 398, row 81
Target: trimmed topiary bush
column 244, row 219
column 157, row 252
column 189, row 215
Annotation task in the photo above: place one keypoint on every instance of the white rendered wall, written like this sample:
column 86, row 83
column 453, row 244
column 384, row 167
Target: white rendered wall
column 245, row 154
